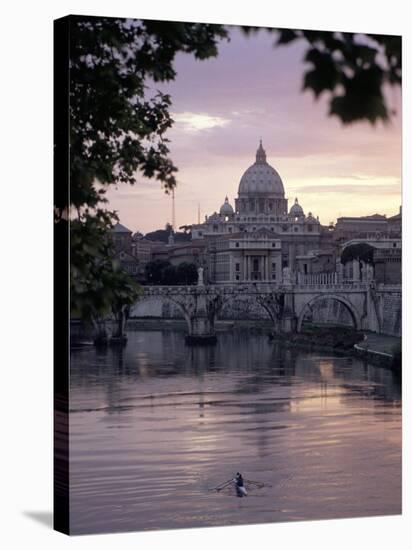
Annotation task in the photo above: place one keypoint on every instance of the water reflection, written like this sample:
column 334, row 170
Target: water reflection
column 156, row 423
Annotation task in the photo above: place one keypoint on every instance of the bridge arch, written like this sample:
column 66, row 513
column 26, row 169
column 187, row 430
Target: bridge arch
column 163, row 299
column 350, row 307
column 248, row 300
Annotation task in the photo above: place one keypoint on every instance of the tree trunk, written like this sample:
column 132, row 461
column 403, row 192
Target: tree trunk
column 100, row 332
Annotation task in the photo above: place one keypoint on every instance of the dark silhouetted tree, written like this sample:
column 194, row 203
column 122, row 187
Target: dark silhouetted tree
column 351, row 68
column 170, row 275
column 162, row 272
column 186, row 273
column 98, row 284
column 359, row 251
column 117, row 131
column 155, row 271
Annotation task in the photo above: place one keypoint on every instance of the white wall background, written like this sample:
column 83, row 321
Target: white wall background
column 26, row 270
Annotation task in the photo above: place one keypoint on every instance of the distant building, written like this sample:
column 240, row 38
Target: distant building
column 317, row 261
column 387, row 260
column 256, row 256
column 130, row 264
column 190, row 252
column 143, row 248
column 350, row 227
column 395, row 224
column 388, row 265
column 259, row 237
column 122, row 238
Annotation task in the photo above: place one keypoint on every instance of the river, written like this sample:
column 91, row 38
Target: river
column 156, row 425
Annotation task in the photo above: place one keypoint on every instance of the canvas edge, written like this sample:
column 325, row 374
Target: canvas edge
column 61, row 496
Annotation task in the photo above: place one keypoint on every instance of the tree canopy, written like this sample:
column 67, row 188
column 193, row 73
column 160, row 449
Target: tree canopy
column 162, row 272
column 352, row 68
column 162, row 235
column 117, row 132
column 98, row 284
column 358, row 251
column 118, row 124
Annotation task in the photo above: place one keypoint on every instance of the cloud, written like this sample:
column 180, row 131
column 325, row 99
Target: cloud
column 352, row 189
column 195, row 122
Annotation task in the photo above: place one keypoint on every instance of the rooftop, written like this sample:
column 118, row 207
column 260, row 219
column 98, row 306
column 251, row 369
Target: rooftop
column 119, row 228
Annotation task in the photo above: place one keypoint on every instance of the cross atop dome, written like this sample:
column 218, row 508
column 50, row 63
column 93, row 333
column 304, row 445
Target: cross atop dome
column 260, row 154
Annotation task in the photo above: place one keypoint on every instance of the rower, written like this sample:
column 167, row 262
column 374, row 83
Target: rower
column 240, row 487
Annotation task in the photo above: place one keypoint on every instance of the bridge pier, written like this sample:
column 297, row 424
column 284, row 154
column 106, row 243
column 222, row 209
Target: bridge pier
column 200, row 334
column 374, row 315
column 288, row 323
column 201, row 323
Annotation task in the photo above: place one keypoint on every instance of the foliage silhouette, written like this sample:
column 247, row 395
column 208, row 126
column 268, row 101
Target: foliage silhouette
column 359, row 251
column 162, row 272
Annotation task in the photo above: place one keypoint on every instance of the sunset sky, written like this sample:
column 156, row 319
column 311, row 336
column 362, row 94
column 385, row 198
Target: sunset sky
column 222, row 107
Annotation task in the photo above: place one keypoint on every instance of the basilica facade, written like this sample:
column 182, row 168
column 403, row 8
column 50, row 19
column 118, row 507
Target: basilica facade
column 260, row 236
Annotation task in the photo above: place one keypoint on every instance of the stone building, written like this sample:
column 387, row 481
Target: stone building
column 395, row 224
column 143, row 248
column 125, row 251
column 122, row 238
column 130, row 264
column 388, row 265
column 259, row 236
column 387, row 260
column 254, row 256
column 383, row 234
column 350, row 227
column 176, row 253
column 317, row 261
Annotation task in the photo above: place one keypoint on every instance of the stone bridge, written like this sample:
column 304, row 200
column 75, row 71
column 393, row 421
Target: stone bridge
column 286, row 304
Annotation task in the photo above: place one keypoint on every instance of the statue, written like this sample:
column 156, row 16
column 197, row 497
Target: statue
column 286, row 274
column 200, row 281
column 339, row 272
column 369, row 273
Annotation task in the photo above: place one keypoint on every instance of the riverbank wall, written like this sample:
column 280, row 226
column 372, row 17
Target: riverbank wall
column 390, row 304
column 378, row 350
column 377, row 358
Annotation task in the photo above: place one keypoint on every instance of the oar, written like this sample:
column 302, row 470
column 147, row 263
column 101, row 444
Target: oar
column 221, row 486
column 257, row 483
